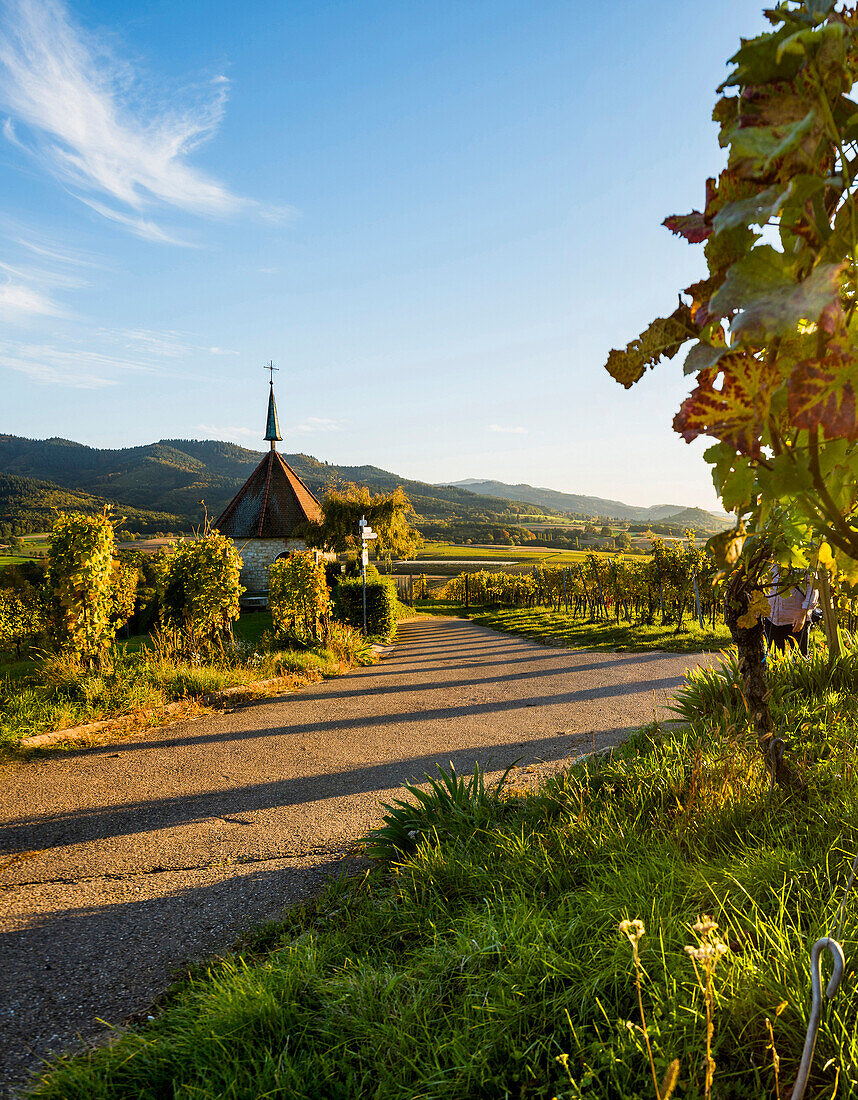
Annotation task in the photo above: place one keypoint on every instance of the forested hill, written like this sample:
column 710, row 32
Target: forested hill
column 174, row 475
column 28, row 505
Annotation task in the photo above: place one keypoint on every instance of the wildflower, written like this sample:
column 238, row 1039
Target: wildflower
column 707, row 953
column 632, row 929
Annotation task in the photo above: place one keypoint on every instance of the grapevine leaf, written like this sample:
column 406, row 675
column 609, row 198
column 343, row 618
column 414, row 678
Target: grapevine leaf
column 726, row 547
column 804, row 42
column 825, row 557
column 662, row 339
column 822, row 394
column 693, row 227
column 700, row 293
column 758, row 606
column 757, row 61
column 760, row 285
column 737, row 412
column 766, row 144
column 755, row 210
column 786, row 477
column 703, row 356
column 762, row 271
column 850, row 129
column 818, row 9
column 781, row 309
column 733, row 475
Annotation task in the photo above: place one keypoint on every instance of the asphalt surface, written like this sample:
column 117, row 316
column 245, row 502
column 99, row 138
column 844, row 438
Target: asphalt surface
column 121, row 862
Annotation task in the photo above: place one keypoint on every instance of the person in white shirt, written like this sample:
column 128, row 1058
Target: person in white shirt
column 792, row 599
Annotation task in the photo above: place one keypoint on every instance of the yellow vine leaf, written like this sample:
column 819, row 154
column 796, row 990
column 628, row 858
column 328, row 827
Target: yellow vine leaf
column 757, row 605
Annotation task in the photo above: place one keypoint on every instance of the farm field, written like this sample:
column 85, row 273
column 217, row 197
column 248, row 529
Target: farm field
column 448, row 559
column 12, row 559
column 439, row 550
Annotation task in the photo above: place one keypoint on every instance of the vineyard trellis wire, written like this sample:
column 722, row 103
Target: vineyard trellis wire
column 674, row 582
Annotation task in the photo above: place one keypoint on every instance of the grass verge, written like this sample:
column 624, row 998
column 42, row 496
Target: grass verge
column 557, row 628
column 55, row 695
column 486, row 962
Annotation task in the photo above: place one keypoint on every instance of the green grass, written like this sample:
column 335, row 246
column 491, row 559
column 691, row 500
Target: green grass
column 39, row 698
column 560, row 629
column 12, row 559
column 488, row 964
column 442, row 550
column 252, row 625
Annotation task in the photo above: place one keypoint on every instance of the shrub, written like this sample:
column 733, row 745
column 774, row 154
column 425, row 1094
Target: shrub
column 380, row 605
column 21, row 617
column 298, row 597
column 198, row 583
column 80, row 586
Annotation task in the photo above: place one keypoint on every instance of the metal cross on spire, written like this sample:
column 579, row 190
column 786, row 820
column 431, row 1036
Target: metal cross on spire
column 272, row 427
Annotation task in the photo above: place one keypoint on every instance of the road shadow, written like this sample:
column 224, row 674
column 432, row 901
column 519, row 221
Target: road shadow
column 68, row 971
column 357, row 722
column 45, row 831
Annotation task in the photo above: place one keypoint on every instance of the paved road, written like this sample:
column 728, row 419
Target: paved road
column 120, row 862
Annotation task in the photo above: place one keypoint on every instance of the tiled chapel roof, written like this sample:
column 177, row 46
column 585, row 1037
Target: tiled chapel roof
column 273, row 503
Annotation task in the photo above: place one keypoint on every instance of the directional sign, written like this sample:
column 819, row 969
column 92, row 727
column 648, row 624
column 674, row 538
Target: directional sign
column 368, row 534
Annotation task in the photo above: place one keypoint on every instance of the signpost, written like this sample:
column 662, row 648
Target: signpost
column 366, row 533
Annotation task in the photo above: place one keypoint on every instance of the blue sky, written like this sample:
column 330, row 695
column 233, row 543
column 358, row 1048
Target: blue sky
column 435, row 217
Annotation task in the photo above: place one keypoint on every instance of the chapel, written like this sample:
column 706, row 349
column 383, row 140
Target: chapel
column 266, row 517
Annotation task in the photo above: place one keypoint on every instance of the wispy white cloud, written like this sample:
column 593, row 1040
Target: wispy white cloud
column 507, row 431
column 19, row 302
column 144, row 228
column 85, row 117
column 320, row 424
column 166, row 344
column 163, row 345
column 211, row 431
column 49, row 250
column 29, row 274
column 83, row 358
column 41, row 275
column 75, row 368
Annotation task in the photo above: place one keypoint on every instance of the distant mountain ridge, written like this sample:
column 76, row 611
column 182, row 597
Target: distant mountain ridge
column 169, row 480
column 587, row 505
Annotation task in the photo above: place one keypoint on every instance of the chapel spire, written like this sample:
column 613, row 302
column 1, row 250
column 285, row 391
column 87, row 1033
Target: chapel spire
column 272, row 426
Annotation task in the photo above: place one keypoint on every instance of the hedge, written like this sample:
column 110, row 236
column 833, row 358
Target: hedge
column 380, row 604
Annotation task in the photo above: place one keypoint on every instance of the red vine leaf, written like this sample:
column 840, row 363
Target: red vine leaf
column 693, row 227
column 822, row 394
column 700, row 293
column 737, row 412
